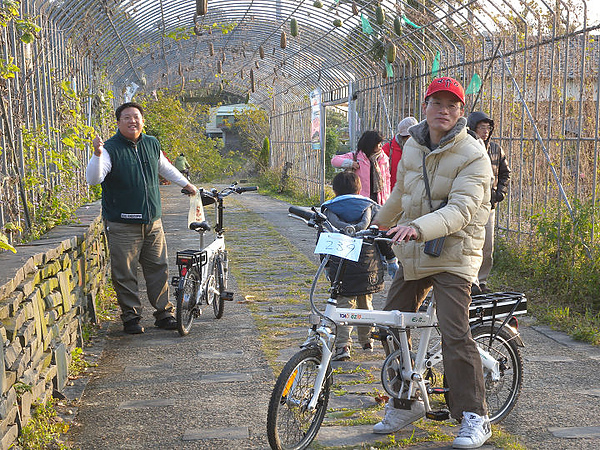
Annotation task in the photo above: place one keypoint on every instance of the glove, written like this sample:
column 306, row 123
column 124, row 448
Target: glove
column 347, row 164
column 392, row 267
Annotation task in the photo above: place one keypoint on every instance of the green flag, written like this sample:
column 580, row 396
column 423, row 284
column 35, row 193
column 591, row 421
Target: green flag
column 408, row 22
column 474, row 85
column 388, row 68
column 435, row 68
column 366, row 26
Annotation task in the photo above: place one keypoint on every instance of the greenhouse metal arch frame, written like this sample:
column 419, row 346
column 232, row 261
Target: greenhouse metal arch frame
column 533, row 67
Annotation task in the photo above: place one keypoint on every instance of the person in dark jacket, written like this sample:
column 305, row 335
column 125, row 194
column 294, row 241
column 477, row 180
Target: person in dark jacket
column 483, row 126
column 364, row 277
column 128, row 165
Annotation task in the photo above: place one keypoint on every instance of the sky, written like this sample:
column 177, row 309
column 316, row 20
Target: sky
column 593, row 11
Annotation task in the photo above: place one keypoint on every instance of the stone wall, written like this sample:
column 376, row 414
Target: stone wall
column 47, row 290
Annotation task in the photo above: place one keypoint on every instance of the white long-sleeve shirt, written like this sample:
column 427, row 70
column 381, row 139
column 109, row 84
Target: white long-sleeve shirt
column 99, row 166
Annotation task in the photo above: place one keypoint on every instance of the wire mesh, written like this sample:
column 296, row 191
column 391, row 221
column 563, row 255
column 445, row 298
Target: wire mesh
column 537, row 62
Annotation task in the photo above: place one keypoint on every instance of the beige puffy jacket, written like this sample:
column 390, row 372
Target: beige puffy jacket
column 459, row 171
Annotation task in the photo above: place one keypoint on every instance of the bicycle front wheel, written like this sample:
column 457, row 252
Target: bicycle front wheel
column 501, row 395
column 290, row 424
column 216, row 286
column 187, row 293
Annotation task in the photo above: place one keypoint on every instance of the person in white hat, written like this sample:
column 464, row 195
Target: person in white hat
column 394, row 148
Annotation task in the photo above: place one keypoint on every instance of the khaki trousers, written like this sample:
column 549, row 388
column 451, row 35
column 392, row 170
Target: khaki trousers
column 488, row 249
column 130, row 244
column 343, row 338
column 462, row 363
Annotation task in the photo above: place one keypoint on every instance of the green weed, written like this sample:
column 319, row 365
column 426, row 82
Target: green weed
column 560, row 293
column 78, row 363
column 44, row 430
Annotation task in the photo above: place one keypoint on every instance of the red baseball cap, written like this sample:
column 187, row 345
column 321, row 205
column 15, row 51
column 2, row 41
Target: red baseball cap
column 446, row 84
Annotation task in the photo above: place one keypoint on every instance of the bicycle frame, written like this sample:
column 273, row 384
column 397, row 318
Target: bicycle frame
column 204, row 263
column 301, row 393
column 400, row 321
column 204, row 260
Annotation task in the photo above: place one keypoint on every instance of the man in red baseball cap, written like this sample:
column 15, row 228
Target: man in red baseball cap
column 446, row 84
column 437, row 212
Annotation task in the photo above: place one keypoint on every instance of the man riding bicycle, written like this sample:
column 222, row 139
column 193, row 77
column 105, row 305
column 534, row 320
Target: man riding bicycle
column 442, row 165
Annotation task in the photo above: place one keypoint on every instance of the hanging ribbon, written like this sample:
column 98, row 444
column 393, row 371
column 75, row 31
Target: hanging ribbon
column 435, row 67
column 388, row 68
column 408, row 22
column 474, row 85
column 366, row 26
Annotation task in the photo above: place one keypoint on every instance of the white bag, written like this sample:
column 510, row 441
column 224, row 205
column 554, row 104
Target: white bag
column 196, row 212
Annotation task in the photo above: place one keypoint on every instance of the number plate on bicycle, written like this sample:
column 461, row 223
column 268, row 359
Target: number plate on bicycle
column 337, row 244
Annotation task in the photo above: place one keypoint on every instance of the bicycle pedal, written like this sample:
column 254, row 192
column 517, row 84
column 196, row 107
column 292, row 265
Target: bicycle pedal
column 437, row 390
column 438, row 415
column 379, row 335
column 227, row 295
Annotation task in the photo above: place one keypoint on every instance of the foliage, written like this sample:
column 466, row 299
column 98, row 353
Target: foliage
column 252, row 125
column 179, row 129
column 332, row 144
column 270, row 184
column 4, row 244
column 78, row 363
column 48, row 163
column 52, row 166
column 265, row 152
column 336, row 127
column 181, row 33
column 28, row 29
column 8, row 69
column 106, row 302
column 55, row 204
column 21, row 388
column 561, row 282
column 43, row 430
column 8, row 11
column 102, row 109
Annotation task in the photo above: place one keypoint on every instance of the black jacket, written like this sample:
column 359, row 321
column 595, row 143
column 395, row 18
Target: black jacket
column 364, row 276
column 497, row 157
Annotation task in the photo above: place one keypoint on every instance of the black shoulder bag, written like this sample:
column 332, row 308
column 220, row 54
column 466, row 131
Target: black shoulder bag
column 435, row 246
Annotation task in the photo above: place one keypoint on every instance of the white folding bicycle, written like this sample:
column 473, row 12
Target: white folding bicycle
column 299, row 399
column 202, row 279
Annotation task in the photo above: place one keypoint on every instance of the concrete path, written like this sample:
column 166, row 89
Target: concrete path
column 211, row 388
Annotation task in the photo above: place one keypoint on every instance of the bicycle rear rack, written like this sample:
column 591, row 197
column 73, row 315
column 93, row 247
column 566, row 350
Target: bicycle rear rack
column 190, row 257
column 497, row 305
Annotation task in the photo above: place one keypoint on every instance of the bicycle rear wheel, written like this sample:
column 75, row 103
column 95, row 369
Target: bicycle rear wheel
column 216, row 286
column 290, row 425
column 501, row 395
column 187, row 293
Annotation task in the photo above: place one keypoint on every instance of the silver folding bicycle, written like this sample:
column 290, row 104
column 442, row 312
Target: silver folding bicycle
column 299, row 399
column 202, row 279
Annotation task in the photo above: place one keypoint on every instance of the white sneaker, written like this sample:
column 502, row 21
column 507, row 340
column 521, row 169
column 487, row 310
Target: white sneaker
column 341, row 354
column 474, row 431
column 394, row 419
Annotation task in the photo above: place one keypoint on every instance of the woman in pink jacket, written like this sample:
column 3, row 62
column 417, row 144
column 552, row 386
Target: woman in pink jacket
column 370, row 164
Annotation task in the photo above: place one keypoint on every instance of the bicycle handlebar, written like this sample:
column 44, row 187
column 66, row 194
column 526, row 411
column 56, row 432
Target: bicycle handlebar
column 239, row 190
column 214, row 194
column 301, row 212
column 318, row 220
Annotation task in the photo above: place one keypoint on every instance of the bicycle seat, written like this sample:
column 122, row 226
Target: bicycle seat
column 202, row 226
